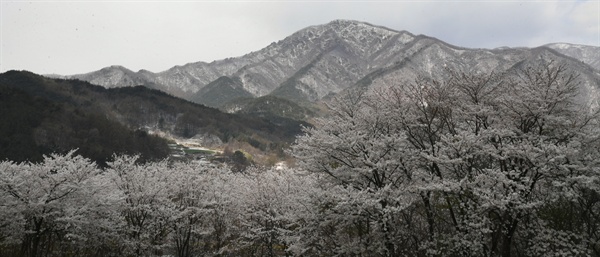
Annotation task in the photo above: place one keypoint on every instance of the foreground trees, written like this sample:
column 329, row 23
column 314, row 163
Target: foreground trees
column 476, row 165
column 40, row 202
column 472, row 166
column 66, row 206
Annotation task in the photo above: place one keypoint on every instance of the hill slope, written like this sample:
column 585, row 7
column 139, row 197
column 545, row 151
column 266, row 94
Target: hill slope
column 83, row 107
column 35, row 121
column 590, row 55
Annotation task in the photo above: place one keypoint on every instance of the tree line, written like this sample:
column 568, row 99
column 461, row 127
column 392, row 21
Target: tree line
column 474, row 165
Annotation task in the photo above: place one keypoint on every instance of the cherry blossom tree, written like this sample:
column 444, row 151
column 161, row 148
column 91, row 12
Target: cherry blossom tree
column 473, row 165
column 360, row 149
column 270, row 203
column 145, row 194
column 47, row 202
column 199, row 214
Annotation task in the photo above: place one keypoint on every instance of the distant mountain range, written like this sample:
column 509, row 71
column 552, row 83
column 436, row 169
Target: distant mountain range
column 326, row 59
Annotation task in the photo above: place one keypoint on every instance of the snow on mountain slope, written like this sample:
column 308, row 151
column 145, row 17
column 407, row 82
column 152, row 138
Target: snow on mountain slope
column 590, row 55
column 325, row 59
column 342, row 46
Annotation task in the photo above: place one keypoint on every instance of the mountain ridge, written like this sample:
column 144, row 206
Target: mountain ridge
column 326, row 59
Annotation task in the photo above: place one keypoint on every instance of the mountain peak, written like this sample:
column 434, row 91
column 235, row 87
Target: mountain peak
column 326, row 59
column 348, row 26
column 342, row 22
column 117, row 67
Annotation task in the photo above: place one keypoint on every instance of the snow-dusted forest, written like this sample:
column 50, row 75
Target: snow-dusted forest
column 474, row 165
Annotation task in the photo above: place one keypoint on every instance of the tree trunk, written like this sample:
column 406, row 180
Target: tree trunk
column 429, row 213
column 507, row 240
column 385, row 227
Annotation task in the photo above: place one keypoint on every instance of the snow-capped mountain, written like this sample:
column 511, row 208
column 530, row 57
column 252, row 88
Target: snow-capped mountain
column 316, row 60
column 321, row 60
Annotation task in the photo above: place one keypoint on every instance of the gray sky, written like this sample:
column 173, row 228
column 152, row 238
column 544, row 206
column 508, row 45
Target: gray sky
column 71, row 37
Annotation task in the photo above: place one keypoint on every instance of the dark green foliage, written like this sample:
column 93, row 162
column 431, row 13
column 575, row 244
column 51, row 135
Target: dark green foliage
column 41, row 115
column 33, row 126
column 239, row 161
column 290, row 90
column 268, row 106
column 20, row 113
column 220, row 91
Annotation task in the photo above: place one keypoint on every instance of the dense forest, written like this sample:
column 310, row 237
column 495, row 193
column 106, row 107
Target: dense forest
column 31, row 127
column 41, row 115
column 474, row 165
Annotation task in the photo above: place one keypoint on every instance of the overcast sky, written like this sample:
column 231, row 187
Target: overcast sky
column 71, row 37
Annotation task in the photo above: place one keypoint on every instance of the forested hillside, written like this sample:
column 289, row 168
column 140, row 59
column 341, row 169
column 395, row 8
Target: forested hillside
column 32, row 126
column 42, row 115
